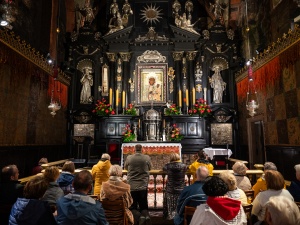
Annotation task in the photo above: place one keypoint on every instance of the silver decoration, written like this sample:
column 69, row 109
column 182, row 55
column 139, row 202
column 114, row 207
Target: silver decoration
column 151, row 36
column 151, row 56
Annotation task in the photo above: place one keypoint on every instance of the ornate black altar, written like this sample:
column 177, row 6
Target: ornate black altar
column 151, row 66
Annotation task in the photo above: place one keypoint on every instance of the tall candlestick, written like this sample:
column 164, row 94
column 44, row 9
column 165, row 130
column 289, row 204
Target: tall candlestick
column 123, row 99
column 117, row 98
column 110, row 96
column 194, row 96
column 179, row 98
column 187, row 97
column 205, row 90
column 164, row 123
column 139, row 123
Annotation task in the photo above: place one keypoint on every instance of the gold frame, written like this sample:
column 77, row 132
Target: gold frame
column 144, row 72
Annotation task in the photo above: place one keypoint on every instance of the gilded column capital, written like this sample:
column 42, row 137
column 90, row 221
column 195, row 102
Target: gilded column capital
column 125, row 56
column 177, row 56
column 190, row 56
column 111, row 56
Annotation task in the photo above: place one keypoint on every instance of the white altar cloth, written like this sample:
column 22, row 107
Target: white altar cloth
column 217, row 151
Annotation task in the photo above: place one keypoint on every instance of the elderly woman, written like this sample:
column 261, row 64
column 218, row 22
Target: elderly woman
column 175, row 170
column 294, row 188
column 115, row 188
column 218, row 210
column 281, row 210
column 275, row 185
column 66, row 177
column 100, row 172
column 242, row 180
column 233, row 191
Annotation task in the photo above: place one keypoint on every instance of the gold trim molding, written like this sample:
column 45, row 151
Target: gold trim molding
column 275, row 49
column 20, row 46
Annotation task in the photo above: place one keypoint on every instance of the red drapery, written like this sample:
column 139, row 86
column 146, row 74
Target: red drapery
column 60, row 91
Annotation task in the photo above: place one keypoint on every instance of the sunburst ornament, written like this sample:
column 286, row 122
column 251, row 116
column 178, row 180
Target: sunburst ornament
column 151, row 14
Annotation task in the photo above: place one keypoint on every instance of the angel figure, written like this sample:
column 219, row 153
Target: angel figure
column 87, row 13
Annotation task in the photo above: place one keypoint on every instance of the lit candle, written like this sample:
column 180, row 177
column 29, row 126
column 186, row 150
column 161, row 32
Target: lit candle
column 110, row 96
column 179, row 98
column 194, row 96
column 117, row 98
column 164, row 123
column 139, row 123
column 187, row 97
column 123, row 99
column 205, row 90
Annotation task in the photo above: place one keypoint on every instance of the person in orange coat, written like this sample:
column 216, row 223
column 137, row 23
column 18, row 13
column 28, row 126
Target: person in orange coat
column 100, row 172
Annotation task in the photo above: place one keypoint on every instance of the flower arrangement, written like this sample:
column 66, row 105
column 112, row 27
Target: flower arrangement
column 172, row 110
column 175, row 134
column 200, row 108
column 130, row 110
column 103, row 109
column 128, row 135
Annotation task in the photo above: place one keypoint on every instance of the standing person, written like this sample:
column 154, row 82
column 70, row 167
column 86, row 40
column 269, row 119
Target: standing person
column 100, row 172
column 78, row 207
column 54, row 192
column 10, row 190
column 66, row 177
column 138, row 166
column 31, row 210
column 115, row 188
column 202, row 160
column 219, row 209
column 275, row 185
column 175, row 170
column 189, row 192
column 243, row 182
column 38, row 169
column 294, row 188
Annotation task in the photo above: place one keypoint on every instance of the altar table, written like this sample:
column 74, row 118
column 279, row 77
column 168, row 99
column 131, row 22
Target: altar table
column 217, row 151
column 158, row 151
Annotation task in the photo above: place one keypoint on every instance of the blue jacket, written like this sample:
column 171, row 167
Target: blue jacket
column 65, row 179
column 31, row 211
column 79, row 209
column 294, row 189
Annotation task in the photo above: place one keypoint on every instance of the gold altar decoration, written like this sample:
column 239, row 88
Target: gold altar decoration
column 14, row 42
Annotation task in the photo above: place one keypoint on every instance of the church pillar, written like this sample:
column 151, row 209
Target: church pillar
column 177, row 56
column 190, row 56
column 126, row 56
column 112, row 79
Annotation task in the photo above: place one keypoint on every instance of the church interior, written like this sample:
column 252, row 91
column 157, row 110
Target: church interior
column 76, row 76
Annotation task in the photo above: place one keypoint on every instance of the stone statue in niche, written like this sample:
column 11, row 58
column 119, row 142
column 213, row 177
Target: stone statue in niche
column 127, row 11
column 86, row 81
column 198, row 72
column 87, row 14
column 217, row 9
column 217, row 83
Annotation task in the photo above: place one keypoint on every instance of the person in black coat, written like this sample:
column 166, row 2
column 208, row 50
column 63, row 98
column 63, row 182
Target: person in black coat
column 10, row 190
column 31, row 210
column 294, row 188
column 175, row 170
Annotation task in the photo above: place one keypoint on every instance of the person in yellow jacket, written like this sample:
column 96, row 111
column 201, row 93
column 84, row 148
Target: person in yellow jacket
column 202, row 160
column 100, row 172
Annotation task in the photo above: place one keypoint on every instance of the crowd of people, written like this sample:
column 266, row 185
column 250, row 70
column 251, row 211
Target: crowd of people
column 66, row 197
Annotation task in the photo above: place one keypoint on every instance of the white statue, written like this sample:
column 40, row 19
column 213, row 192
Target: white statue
column 217, row 83
column 87, row 82
column 198, row 72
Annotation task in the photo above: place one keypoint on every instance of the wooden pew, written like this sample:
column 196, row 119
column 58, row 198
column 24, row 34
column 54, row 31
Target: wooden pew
column 55, row 163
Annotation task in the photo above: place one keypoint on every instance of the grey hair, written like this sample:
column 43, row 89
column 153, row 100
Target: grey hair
column 202, row 173
column 115, row 170
column 239, row 168
column 297, row 168
column 270, row 166
column 229, row 179
column 105, row 156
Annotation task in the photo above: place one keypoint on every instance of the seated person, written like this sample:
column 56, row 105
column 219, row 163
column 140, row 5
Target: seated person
column 66, row 177
column 275, row 185
column 202, row 160
column 294, row 188
column 233, row 191
column 218, row 209
column 242, row 180
column 190, row 192
column 260, row 184
column 54, row 192
column 115, row 188
column 78, row 207
column 281, row 210
column 31, row 210
column 38, row 169
column 10, row 190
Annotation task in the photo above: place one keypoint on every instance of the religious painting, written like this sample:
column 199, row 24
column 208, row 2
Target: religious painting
column 221, row 133
column 151, row 84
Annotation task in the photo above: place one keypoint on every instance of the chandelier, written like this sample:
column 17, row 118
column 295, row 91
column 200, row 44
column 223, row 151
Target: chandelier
column 252, row 103
column 54, row 105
